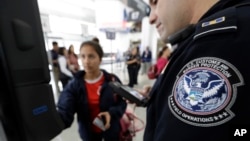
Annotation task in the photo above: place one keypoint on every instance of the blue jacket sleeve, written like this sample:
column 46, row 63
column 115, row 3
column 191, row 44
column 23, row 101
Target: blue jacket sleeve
column 66, row 104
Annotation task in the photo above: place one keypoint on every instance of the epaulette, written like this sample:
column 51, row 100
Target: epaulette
column 242, row 4
column 224, row 21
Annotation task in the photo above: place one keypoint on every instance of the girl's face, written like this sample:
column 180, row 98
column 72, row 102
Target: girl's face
column 90, row 59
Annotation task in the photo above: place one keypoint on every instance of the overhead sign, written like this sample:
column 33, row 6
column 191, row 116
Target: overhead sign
column 135, row 16
column 110, row 35
column 141, row 9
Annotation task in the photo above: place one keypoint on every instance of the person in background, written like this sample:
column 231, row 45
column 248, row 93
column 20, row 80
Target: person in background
column 133, row 63
column 162, row 58
column 146, row 60
column 65, row 73
column 89, row 96
column 73, row 60
column 126, row 55
column 138, row 63
column 55, row 66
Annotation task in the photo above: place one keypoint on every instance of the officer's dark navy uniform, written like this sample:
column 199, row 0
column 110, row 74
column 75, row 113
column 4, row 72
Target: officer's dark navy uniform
column 204, row 91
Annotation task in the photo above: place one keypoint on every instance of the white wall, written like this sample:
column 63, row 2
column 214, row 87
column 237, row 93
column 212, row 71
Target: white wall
column 121, row 42
column 109, row 13
column 78, row 9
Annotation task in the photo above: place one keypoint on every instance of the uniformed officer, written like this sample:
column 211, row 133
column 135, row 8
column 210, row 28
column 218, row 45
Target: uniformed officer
column 133, row 66
column 204, row 92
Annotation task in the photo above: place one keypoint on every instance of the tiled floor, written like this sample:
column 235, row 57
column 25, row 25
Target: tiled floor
column 71, row 134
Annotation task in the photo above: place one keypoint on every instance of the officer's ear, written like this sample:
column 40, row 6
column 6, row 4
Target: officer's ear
column 181, row 34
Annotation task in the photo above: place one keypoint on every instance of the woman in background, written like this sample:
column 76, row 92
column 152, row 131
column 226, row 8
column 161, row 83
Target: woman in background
column 162, row 59
column 73, row 60
column 65, row 74
column 89, row 96
column 133, row 65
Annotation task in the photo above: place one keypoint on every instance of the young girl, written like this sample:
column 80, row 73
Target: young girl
column 89, row 95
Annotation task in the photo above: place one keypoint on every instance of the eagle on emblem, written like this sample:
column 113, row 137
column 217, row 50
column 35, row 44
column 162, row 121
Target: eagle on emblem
column 197, row 93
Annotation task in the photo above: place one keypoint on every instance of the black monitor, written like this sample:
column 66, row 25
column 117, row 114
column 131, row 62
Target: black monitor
column 27, row 107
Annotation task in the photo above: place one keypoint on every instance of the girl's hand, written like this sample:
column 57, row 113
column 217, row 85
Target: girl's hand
column 107, row 117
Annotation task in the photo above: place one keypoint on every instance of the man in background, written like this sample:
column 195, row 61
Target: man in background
column 146, row 60
column 55, row 65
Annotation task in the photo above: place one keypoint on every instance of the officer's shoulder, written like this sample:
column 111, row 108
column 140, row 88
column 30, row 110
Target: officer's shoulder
column 225, row 21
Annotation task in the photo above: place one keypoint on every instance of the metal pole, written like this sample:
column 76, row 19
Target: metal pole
column 111, row 57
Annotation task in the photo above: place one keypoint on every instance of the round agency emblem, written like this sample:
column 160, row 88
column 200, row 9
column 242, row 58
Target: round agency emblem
column 203, row 92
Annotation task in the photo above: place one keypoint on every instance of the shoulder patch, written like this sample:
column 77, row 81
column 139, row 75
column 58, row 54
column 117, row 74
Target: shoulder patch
column 215, row 21
column 204, row 92
column 222, row 22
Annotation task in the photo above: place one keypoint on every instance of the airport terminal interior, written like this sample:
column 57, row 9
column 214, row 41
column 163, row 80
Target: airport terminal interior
column 61, row 60
column 73, row 21
column 97, row 17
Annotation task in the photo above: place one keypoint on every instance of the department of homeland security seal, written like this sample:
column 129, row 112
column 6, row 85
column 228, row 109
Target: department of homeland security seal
column 204, row 91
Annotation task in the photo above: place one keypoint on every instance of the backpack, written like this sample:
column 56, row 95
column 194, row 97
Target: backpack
column 153, row 72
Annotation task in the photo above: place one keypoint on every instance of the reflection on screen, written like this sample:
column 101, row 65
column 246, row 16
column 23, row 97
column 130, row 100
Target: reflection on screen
column 133, row 92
